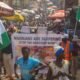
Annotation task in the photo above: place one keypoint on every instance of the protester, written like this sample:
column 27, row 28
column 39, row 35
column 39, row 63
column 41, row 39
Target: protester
column 27, row 65
column 58, row 69
column 74, row 58
column 0, row 64
column 66, row 45
column 7, row 56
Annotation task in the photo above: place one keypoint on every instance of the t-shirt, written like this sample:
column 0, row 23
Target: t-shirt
column 8, row 49
column 55, row 69
column 27, row 66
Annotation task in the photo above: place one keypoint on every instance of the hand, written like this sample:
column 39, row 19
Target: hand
column 32, row 71
column 16, row 75
column 60, row 73
column 68, row 75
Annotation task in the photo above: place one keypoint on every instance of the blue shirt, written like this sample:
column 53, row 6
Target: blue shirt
column 27, row 66
column 71, row 46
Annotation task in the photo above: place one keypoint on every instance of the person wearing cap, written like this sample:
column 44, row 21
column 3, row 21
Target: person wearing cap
column 66, row 45
column 27, row 64
column 58, row 70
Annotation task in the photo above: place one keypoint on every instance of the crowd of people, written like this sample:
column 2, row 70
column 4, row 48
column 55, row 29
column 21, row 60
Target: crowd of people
column 64, row 67
column 61, row 61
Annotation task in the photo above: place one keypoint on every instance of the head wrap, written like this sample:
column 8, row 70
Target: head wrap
column 58, row 50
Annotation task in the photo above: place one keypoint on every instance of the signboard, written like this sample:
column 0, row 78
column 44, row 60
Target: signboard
column 36, row 39
column 36, row 42
column 41, row 46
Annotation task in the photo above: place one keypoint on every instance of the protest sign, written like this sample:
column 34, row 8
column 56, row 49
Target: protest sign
column 36, row 39
column 41, row 45
column 35, row 42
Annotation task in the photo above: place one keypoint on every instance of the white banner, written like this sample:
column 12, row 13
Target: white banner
column 36, row 39
column 35, row 42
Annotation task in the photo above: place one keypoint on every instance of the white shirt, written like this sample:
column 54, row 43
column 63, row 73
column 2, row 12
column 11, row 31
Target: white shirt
column 56, row 69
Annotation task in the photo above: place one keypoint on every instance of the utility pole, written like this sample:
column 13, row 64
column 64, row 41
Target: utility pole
column 64, row 7
column 78, row 12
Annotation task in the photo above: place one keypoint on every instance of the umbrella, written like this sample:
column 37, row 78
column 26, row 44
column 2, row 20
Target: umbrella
column 24, row 14
column 5, row 10
column 16, row 17
column 52, row 7
column 57, row 20
column 49, row 4
column 19, row 11
column 57, row 14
